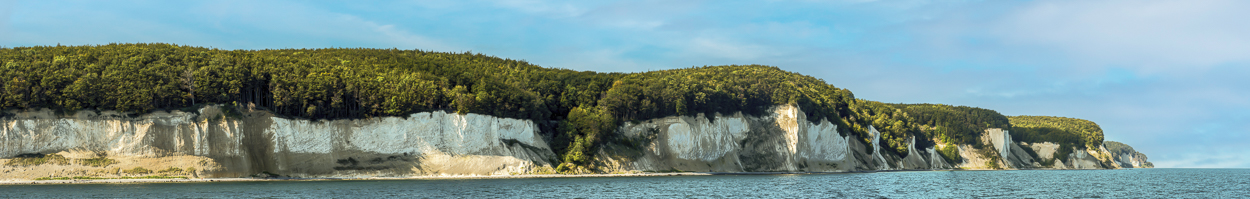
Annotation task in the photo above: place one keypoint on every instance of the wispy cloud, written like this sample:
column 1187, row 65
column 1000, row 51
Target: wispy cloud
column 1155, row 36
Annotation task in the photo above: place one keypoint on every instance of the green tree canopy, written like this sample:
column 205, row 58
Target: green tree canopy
column 1061, row 130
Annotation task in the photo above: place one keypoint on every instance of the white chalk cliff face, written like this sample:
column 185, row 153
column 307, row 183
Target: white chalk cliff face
column 1125, row 156
column 146, row 136
column 1132, row 160
column 1010, row 154
column 1006, row 154
column 428, row 143
column 784, row 141
column 441, row 143
column 781, row 141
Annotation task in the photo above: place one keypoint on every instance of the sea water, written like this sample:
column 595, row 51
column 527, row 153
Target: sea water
column 1123, row 183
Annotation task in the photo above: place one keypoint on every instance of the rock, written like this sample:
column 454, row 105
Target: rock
column 424, row 143
column 1124, row 155
column 440, row 143
column 781, row 141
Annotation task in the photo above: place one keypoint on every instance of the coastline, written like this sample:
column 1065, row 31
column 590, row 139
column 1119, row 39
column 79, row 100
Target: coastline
column 199, row 180
column 450, row 177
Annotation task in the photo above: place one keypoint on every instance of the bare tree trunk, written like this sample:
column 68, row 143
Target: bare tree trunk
column 188, row 82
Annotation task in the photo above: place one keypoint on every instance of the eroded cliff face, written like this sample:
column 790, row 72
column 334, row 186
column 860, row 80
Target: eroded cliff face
column 782, row 141
column 724, row 144
column 1046, row 154
column 1126, row 157
column 1132, row 160
column 208, row 144
column 1000, row 152
column 428, row 143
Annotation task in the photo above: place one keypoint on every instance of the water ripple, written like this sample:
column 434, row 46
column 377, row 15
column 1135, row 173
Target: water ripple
column 1129, row 183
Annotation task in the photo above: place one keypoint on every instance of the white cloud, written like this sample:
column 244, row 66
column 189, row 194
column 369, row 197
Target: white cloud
column 1152, row 36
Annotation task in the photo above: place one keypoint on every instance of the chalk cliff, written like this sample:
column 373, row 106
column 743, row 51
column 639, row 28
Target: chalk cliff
column 784, row 141
column 1124, row 156
column 208, row 143
column 781, row 141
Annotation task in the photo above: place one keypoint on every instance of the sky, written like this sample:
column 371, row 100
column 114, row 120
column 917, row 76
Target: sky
column 1169, row 77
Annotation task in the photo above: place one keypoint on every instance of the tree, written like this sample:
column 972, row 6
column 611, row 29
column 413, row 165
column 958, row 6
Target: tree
column 188, row 82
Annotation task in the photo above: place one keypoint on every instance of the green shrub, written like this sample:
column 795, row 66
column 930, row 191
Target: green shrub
column 1031, row 153
column 138, row 170
column 154, row 177
column 1047, row 162
column 99, row 178
column 171, row 170
column 38, row 159
column 97, row 162
column 1107, row 163
column 1064, row 151
column 992, row 158
column 951, row 154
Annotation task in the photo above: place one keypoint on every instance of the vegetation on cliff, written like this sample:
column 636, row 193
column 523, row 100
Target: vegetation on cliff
column 578, row 110
column 954, row 124
column 1067, row 132
column 1118, row 148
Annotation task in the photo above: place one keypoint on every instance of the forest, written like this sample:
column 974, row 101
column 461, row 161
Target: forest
column 578, row 110
column 1067, row 132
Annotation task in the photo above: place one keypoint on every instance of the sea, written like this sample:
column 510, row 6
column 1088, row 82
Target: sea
column 1122, row 183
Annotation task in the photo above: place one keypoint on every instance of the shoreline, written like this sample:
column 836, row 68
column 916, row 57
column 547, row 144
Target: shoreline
column 199, row 180
column 202, row 180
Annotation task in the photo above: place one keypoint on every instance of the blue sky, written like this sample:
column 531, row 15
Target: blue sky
column 1171, row 78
